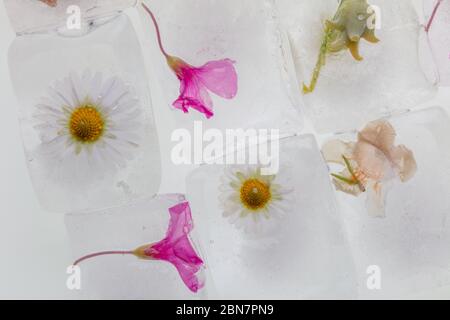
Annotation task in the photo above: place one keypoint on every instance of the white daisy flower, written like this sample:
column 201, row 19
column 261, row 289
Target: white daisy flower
column 250, row 200
column 89, row 119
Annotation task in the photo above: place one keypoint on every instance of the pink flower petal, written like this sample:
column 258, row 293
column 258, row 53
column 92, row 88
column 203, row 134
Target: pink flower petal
column 193, row 94
column 176, row 247
column 219, row 77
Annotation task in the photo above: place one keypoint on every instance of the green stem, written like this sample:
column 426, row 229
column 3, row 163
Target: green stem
column 321, row 60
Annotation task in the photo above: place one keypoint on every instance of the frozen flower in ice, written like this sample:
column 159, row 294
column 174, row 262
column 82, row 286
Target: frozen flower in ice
column 371, row 162
column 89, row 118
column 249, row 198
column 349, row 25
column 51, row 3
column 175, row 248
column 219, row 77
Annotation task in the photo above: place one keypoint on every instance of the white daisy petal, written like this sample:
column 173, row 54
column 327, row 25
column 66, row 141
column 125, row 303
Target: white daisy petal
column 124, row 126
column 47, row 117
column 124, row 106
column 78, row 90
column 49, row 109
column 55, row 145
column 116, row 94
column 106, row 90
column 129, row 136
column 94, row 90
column 57, row 98
column 86, row 77
column 127, row 115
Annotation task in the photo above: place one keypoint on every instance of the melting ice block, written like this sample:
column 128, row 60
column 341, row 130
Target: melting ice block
column 50, row 72
column 246, row 32
column 294, row 250
column 410, row 246
column 439, row 37
column 126, row 228
column 350, row 92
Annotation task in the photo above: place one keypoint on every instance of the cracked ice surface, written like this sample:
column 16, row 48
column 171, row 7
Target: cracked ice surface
column 350, row 93
column 411, row 244
column 302, row 254
column 127, row 227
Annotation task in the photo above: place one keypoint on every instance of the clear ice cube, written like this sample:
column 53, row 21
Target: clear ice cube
column 246, row 32
column 300, row 254
column 350, row 93
column 125, row 228
column 36, row 61
column 410, row 245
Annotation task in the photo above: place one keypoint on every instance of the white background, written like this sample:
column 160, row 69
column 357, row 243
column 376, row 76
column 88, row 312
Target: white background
column 34, row 250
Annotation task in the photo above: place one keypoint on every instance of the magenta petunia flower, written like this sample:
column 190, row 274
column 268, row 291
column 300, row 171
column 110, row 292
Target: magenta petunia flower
column 218, row 77
column 175, row 248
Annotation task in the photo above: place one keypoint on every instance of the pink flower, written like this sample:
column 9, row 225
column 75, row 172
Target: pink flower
column 218, row 77
column 175, row 248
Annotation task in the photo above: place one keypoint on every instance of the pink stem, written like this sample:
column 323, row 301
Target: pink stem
column 433, row 15
column 101, row 253
column 158, row 33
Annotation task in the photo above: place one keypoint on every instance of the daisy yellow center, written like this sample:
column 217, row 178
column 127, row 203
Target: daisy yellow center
column 255, row 194
column 86, row 124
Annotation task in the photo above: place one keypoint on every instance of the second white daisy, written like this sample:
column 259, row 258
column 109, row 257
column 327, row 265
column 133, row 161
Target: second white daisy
column 249, row 198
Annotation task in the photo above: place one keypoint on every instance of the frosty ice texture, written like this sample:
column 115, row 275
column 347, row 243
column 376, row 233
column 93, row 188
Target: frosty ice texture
column 246, row 31
column 127, row 227
column 409, row 245
column 302, row 255
column 38, row 60
column 349, row 93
